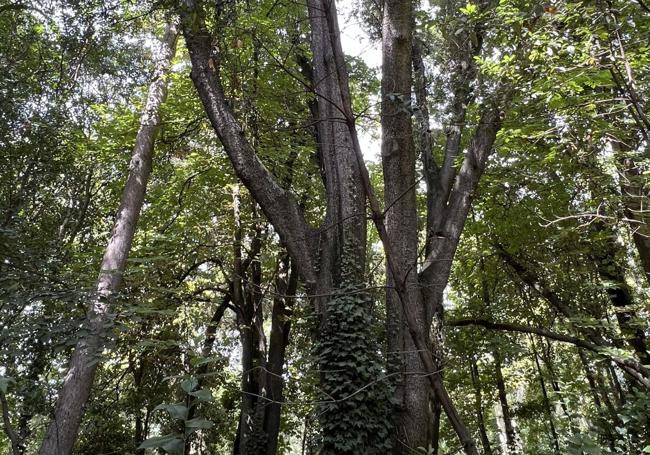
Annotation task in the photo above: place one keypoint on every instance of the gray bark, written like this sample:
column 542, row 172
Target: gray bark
column 334, row 257
column 62, row 431
column 412, row 392
column 278, row 204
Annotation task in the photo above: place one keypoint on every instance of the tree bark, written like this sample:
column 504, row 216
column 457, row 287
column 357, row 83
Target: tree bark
column 333, row 259
column 412, row 394
column 62, row 431
column 17, row 447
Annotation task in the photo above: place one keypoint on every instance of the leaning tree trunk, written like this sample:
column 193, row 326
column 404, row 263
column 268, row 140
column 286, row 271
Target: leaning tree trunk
column 62, row 431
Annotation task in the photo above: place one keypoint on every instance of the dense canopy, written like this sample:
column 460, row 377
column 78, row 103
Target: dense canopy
column 268, row 227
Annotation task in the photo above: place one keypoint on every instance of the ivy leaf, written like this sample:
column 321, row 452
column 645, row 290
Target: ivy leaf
column 202, row 395
column 171, row 443
column 176, row 411
column 189, row 384
column 4, row 383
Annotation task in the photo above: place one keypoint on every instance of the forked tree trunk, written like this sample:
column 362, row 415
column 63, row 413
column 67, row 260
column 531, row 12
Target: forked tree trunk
column 62, row 431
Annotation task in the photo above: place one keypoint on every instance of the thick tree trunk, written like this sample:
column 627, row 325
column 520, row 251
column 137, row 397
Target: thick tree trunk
column 62, row 431
column 333, row 261
column 412, row 392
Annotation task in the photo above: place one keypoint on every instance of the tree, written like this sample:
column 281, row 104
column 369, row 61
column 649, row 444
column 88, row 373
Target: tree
column 75, row 390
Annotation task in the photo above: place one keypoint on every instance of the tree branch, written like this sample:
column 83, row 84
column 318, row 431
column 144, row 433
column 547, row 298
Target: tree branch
column 278, row 204
column 632, row 367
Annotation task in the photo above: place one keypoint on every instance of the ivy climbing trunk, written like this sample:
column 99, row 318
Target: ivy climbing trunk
column 331, row 260
column 62, row 431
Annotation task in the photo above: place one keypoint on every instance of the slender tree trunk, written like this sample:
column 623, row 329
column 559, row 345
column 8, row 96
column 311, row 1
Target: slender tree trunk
column 547, row 357
column 286, row 285
column 511, row 436
column 16, row 446
column 605, row 422
column 478, row 404
column 547, row 402
column 62, row 431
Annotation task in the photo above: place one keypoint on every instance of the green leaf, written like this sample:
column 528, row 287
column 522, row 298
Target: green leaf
column 469, row 9
column 176, row 411
column 4, row 383
column 199, row 423
column 202, row 395
column 189, row 384
column 646, row 449
column 171, row 443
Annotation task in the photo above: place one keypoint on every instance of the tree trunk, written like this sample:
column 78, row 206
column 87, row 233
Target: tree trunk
column 286, row 285
column 620, row 294
column 547, row 402
column 62, row 431
column 17, row 447
column 332, row 262
column 511, row 436
column 478, row 404
column 412, row 393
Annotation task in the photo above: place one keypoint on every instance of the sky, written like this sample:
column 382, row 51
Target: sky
column 355, row 43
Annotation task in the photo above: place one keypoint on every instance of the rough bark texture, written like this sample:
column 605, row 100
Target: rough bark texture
column 62, row 431
column 279, row 206
column 412, row 392
column 333, row 259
